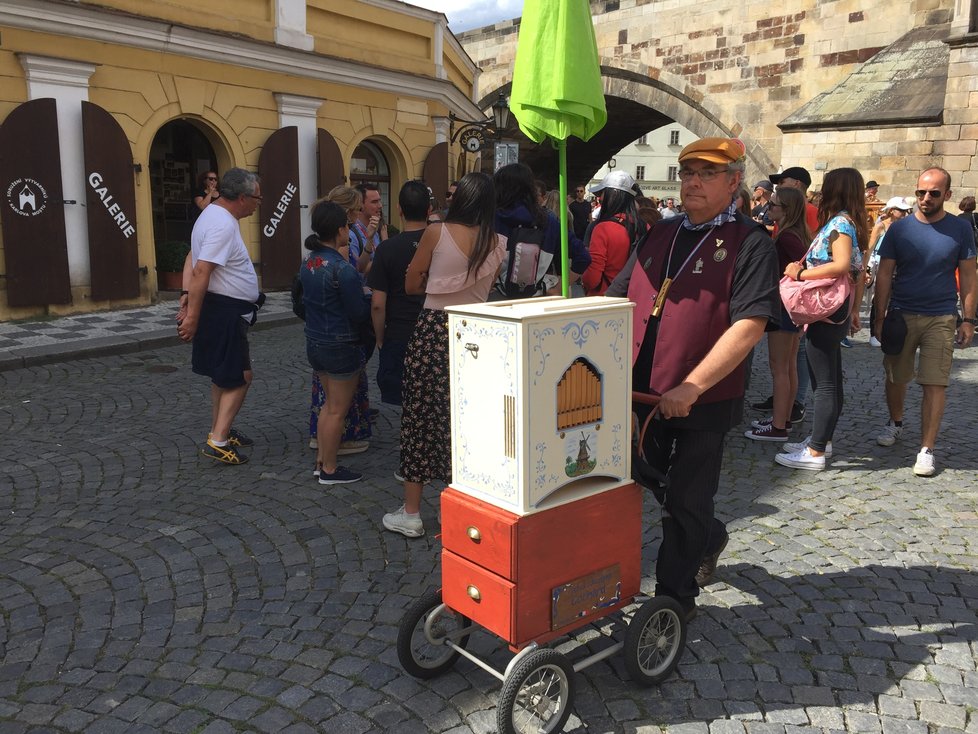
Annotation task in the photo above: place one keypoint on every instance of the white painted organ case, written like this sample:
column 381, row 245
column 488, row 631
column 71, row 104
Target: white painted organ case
column 541, row 400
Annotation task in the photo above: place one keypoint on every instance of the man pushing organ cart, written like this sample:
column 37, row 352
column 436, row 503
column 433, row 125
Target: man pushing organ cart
column 541, row 526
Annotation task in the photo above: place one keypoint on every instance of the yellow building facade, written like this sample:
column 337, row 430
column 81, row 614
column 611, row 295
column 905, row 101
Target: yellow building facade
column 367, row 85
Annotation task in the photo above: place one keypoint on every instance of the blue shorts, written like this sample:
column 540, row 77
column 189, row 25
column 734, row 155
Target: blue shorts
column 335, row 360
column 786, row 323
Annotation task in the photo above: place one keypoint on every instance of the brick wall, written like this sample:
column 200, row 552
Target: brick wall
column 747, row 66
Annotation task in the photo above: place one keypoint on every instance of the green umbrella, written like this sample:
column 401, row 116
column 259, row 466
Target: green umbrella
column 557, row 90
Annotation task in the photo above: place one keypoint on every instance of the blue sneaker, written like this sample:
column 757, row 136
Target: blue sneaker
column 342, row 475
column 846, row 343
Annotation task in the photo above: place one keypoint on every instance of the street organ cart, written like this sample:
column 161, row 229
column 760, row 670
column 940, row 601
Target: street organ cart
column 541, row 526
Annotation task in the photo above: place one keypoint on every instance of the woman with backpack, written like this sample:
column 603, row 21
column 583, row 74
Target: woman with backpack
column 533, row 237
column 618, row 227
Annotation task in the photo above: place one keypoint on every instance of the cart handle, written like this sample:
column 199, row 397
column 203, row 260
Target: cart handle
column 645, row 399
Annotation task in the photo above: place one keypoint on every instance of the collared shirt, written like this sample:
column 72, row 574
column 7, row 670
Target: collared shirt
column 727, row 215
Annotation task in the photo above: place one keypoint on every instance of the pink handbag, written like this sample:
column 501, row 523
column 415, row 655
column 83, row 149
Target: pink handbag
column 808, row 301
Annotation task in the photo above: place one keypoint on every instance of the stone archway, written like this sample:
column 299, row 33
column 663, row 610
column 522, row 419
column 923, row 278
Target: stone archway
column 636, row 104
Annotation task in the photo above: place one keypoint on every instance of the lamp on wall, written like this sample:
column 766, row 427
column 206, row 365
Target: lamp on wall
column 475, row 134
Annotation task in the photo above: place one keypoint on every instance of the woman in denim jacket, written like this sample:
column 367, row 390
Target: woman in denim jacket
column 333, row 297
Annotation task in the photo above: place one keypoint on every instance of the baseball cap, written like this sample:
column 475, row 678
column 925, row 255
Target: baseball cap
column 714, row 150
column 764, row 184
column 898, row 202
column 872, row 184
column 615, row 180
column 796, row 172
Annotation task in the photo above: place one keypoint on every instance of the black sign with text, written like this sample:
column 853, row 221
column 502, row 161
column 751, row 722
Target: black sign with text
column 111, row 199
column 32, row 211
column 281, row 225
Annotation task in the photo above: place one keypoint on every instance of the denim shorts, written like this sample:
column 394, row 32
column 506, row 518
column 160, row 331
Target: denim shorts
column 337, row 361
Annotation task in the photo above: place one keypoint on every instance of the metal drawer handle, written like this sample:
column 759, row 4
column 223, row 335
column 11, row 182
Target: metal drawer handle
column 474, row 535
column 474, row 593
column 474, row 348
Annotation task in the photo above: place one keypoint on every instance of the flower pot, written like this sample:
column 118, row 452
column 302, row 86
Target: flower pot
column 169, row 281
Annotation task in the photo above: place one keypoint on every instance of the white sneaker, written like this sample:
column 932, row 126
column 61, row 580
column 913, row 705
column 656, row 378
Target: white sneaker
column 401, row 522
column 801, row 460
column 398, row 477
column 874, row 342
column 889, row 435
column 794, row 448
column 314, row 443
column 924, row 466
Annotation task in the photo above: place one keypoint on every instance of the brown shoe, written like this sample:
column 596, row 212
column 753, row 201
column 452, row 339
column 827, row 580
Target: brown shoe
column 709, row 565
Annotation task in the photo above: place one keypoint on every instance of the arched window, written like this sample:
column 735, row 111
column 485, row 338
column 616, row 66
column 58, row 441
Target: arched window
column 370, row 166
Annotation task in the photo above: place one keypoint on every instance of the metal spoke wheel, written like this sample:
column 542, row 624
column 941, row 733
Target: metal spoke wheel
column 536, row 695
column 655, row 640
column 421, row 637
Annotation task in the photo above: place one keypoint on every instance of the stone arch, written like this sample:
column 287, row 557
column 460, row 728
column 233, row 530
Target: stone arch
column 671, row 99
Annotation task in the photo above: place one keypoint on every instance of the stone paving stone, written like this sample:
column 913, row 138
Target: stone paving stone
column 154, row 592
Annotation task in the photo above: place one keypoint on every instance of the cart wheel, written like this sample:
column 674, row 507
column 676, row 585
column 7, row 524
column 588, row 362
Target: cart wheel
column 536, row 696
column 423, row 656
column 654, row 640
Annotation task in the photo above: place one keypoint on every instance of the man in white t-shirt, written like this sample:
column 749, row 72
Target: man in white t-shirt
column 222, row 301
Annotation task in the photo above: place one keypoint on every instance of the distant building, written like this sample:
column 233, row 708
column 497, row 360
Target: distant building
column 651, row 160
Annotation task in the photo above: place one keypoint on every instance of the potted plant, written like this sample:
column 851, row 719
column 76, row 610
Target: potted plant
column 170, row 256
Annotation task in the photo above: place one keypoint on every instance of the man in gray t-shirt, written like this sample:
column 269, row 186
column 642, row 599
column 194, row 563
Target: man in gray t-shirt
column 917, row 294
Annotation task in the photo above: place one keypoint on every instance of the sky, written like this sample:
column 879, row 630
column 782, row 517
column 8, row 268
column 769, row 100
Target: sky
column 464, row 15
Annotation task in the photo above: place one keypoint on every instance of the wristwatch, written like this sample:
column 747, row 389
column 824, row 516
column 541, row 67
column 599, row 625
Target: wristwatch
column 973, row 322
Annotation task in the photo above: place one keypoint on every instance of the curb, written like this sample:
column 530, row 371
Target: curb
column 106, row 346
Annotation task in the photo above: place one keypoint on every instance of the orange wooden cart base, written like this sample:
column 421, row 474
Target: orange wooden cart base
column 536, row 577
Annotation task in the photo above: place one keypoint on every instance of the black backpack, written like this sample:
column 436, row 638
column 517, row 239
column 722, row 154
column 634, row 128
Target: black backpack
column 525, row 265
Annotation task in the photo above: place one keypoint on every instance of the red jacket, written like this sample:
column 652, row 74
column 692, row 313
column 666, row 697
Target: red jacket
column 610, row 248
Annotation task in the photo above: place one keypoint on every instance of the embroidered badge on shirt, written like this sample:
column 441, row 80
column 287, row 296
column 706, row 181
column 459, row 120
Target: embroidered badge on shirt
column 720, row 255
column 698, row 268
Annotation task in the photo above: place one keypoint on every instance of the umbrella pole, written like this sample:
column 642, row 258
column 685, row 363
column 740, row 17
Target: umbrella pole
column 564, row 265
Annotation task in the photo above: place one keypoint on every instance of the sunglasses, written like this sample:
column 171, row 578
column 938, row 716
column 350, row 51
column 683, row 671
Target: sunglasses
column 449, row 194
column 212, row 178
column 934, row 193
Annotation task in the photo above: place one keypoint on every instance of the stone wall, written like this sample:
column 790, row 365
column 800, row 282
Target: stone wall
column 744, row 67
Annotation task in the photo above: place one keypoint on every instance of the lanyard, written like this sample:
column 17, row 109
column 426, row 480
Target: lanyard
column 660, row 299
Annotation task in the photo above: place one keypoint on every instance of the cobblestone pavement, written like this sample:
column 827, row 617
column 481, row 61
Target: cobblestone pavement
column 143, row 589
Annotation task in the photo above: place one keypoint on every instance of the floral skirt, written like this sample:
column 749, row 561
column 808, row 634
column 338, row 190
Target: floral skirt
column 426, row 428
column 356, row 427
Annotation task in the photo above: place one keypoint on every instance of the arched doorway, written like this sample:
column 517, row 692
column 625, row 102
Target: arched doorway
column 369, row 165
column 180, row 153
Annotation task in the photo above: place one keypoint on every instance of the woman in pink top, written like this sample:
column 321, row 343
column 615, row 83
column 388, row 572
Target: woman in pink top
column 456, row 262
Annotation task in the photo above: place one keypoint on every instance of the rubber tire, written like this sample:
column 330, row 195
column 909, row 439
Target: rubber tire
column 658, row 625
column 410, row 655
column 539, row 662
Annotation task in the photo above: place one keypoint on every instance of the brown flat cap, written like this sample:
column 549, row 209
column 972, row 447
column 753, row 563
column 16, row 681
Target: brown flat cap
column 714, row 150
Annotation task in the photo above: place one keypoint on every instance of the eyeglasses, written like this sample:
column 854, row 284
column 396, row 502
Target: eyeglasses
column 705, row 174
column 580, row 191
column 775, row 204
column 449, row 194
column 253, row 196
column 934, row 193
column 212, row 178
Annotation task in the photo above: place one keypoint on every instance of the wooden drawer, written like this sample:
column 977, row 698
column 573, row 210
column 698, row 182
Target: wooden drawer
column 479, row 532
column 462, row 581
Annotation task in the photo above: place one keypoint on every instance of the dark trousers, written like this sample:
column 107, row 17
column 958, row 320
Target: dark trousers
column 825, row 368
column 390, row 371
column 691, row 459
